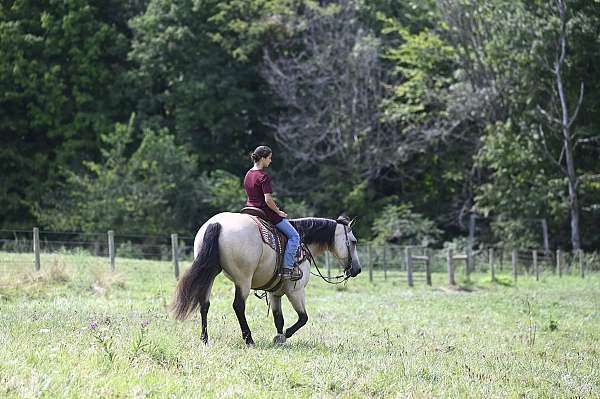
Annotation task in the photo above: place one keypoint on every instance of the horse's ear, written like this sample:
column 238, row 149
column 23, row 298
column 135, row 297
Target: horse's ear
column 351, row 224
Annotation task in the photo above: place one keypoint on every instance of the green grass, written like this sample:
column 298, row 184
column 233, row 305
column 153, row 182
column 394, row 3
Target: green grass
column 362, row 339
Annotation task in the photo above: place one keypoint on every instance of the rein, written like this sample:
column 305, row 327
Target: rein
column 335, row 279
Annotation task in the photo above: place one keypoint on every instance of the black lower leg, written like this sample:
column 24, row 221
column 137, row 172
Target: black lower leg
column 239, row 305
column 302, row 319
column 278, row 318
column 204, row 312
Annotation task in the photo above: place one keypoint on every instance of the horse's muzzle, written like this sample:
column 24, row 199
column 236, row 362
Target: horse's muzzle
column 353, row 271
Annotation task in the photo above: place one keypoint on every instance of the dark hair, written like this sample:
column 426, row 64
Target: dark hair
column 315, row 230
column 262, row 151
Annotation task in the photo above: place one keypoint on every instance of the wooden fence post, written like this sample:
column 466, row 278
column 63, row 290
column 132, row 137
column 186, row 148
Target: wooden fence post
column 535, row 265
column 428, row 266
column 409, row 266
column 558, row 262
column 501, row 258
column 36, row 248
column 581, row 263
column 471, row 242
column 175, row 253
column 514, row 264
column 111, row 249
column 450, row 268
column 370, row 262
column 385, row 265
column 492, row 265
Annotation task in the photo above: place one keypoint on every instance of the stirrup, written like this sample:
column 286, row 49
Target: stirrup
column 293, row 274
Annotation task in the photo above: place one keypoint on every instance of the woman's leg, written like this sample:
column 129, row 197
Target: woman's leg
column 292, row 244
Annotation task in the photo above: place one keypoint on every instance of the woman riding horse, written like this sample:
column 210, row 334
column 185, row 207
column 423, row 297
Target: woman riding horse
column 232, row 243
column 257, row 184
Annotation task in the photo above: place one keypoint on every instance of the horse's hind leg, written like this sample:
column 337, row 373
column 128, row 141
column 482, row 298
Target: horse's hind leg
column 296, row 298
column 204, row 306
column 239, row 305
column 277, row 318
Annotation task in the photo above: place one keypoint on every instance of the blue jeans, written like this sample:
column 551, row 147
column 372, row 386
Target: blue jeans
column 292, row 244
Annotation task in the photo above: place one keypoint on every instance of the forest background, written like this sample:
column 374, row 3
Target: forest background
column 139, row 115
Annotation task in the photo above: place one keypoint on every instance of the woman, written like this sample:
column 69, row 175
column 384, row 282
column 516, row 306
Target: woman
column 257, row 184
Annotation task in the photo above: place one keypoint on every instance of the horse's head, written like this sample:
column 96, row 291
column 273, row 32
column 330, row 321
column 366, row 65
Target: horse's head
column 344, row 247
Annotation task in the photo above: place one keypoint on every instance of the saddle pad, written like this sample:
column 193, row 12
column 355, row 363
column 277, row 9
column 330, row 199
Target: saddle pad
column 277, row 240
column 269, row 234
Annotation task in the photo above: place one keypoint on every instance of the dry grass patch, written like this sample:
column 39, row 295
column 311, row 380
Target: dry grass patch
column 104, row 280
column 32, row 283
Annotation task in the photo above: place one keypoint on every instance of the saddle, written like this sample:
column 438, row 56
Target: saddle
column 277, row 241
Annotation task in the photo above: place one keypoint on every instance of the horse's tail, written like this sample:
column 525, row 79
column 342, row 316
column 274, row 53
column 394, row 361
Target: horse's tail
column 193, row 285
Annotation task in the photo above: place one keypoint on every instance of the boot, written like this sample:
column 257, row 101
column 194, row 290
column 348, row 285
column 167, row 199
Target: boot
column 293, row 274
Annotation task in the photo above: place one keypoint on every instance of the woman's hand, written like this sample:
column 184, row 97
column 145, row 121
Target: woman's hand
column 282, row 214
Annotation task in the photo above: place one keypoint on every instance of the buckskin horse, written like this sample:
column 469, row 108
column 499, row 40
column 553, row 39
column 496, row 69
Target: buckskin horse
column 231, row 242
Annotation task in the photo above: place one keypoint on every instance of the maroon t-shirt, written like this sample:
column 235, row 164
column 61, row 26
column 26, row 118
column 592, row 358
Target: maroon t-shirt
column 257, row 183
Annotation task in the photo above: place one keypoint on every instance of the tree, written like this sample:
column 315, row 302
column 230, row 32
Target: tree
column 152, row 190
column 200, row 80
column 61, row 83
column 329, row 77
column 520, row 189
column 399, row 224
column 564, row 121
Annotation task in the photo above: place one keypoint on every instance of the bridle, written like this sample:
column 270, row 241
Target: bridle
column 342, row 277
column 349, row 259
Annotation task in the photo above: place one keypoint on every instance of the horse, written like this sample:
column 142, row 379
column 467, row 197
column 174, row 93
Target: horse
column 231, row 243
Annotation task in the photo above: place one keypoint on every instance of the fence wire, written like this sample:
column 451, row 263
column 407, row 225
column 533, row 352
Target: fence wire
column 385, row 261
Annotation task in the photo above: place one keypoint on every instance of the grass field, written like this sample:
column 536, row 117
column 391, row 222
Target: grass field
column 76, row 330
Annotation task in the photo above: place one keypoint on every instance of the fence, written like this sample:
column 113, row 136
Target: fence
column 413, row 265
column 108, row 245
column 416, row 264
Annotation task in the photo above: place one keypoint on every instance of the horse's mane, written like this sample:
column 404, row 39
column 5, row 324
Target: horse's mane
column 315, row 230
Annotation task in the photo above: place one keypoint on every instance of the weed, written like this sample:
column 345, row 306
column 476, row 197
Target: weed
column 139, row 342
column 105, row 342
column 531, row 325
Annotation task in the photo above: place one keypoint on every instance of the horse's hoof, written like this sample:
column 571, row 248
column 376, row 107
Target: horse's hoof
column 279, row 339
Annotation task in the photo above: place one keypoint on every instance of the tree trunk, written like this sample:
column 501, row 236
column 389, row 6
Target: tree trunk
column 566, row 122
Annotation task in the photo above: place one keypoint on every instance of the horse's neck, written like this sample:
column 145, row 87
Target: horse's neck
column 316, row 249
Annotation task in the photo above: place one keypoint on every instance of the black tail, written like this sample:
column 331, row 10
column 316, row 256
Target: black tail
column 192, row 286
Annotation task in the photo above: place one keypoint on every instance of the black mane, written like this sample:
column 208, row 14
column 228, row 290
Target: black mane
column 315, row 230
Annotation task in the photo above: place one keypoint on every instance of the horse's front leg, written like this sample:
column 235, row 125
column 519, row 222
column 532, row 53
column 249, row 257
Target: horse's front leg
column 239, row 305
column 277, row 318
column 296, row 298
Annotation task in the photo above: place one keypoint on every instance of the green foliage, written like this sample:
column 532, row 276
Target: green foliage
column 153, row 190
column 224, row 191
column 200, row 82
column 62, row 69
column 520, row 191
column 400, row 224
column 423, row 62
column 451, row 104
column 297, row 208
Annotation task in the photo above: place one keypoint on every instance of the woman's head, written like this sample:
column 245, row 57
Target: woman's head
column 262, row 151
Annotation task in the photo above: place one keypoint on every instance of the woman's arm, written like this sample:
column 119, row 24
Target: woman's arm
column 271, row 204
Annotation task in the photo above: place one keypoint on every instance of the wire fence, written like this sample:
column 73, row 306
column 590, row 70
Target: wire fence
column 135, row 246
column 413, row 265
